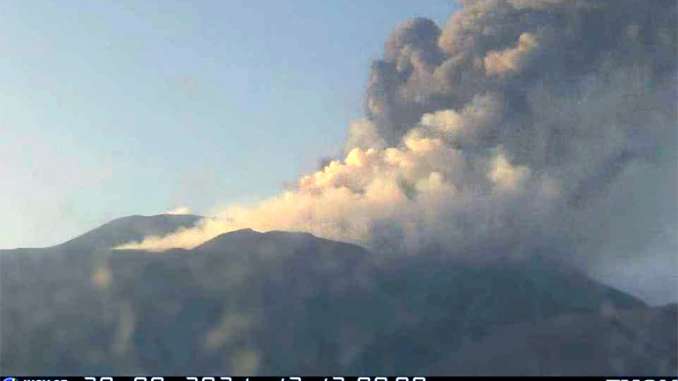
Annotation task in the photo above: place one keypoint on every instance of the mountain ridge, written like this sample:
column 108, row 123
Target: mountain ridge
column 122, row 230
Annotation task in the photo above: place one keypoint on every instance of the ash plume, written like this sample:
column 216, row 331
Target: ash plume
column 519, row 127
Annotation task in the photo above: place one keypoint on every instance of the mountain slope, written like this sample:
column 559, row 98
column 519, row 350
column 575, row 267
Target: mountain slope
column 616, row 342
column 270, row 303
column 116, row 232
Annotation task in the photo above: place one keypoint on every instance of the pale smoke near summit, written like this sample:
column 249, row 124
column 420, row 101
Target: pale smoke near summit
column 520, row 127
column 180, row 210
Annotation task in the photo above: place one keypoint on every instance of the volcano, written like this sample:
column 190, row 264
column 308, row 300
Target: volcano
column 278, row 302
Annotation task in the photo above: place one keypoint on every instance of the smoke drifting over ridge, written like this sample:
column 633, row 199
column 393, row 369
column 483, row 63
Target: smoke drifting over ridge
column 521, row 126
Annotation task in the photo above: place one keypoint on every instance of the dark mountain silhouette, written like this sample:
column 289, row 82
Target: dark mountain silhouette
column 280, row 303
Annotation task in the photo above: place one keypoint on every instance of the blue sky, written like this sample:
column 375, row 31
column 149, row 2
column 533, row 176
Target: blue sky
column 118, row 108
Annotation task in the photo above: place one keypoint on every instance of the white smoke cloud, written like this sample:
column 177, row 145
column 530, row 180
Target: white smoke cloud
column 522, row 127
column 180, row 210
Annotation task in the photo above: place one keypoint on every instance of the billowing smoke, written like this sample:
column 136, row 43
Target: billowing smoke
column 521, row 127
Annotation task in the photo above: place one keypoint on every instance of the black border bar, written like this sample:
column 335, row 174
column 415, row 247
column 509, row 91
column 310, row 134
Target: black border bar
column 319, row 378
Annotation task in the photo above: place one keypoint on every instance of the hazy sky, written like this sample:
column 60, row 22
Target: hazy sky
column 118, row 108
